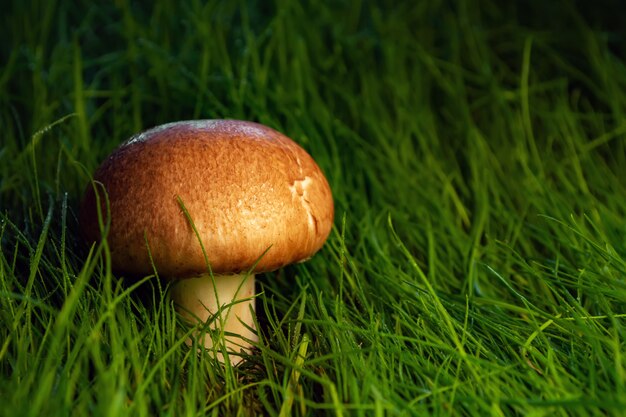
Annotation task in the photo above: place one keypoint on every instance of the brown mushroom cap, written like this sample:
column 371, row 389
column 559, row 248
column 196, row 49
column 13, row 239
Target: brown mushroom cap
column 248, row 189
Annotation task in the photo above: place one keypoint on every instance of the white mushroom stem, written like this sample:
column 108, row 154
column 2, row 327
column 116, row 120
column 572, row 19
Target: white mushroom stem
column 200, row 298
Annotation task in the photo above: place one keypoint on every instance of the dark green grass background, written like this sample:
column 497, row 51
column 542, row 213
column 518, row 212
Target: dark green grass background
column 476, row 151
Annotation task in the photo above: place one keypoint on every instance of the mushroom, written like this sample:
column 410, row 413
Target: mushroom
column 209, row 203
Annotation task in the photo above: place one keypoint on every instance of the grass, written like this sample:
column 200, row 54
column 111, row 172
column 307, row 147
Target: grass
column 476, row 153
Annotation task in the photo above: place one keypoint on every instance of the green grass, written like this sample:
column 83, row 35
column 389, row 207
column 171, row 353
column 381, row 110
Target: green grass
column 476, row 153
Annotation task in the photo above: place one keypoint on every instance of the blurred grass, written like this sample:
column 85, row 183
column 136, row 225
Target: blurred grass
column 476, row 155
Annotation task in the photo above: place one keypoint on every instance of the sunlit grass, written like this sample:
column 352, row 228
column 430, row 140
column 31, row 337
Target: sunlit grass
column 477, row 160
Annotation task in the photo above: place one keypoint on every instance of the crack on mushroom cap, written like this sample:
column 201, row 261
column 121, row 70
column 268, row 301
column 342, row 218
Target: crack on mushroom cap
column 300, row 191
